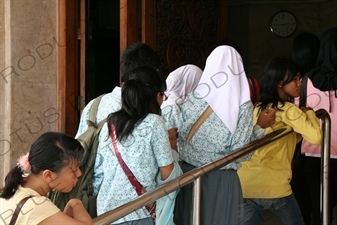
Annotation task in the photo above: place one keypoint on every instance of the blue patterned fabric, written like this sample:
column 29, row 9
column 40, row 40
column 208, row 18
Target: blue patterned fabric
column 213, row 139
column 144, row 151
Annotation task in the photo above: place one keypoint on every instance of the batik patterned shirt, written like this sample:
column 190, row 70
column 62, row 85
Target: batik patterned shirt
column 213, row 140
column 144, row 151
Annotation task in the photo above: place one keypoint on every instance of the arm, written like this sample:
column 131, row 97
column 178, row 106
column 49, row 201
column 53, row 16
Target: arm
column 173, row 135
column 172, row 116
column 161, row 148
column 165, row 171
column 74, row 214
column 304, row 122
column 246, row 132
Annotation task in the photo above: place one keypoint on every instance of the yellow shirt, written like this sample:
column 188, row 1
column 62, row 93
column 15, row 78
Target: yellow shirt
column 35, row 210
column 268, row 173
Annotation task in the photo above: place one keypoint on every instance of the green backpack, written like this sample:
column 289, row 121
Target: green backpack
column 84, row 187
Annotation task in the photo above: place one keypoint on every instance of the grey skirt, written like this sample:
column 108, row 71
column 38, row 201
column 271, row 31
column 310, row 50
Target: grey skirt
column 220, row 199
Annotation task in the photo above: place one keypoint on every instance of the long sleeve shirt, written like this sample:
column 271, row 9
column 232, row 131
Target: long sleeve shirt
column 268, row 173
column 212, row 140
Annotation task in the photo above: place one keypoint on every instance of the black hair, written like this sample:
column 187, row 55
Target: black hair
column 139, row 98
column 304, row 51
column 279, row 69
column 51, row 151
column 136, row 55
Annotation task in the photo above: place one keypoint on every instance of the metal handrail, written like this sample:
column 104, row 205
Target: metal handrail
column 195, row 174
column 187, row 178
column 325, row 165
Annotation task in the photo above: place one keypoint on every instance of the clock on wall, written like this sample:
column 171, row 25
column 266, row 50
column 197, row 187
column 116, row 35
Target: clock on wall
column 283, row 24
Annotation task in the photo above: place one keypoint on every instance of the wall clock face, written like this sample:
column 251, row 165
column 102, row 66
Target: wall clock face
column 283, row 24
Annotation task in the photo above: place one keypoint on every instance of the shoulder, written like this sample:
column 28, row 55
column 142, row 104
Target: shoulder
column 115, row 95
column 153, row 124
column 194, row 103
column 154, row 119
column 41, row 202
column 290, row 107
column 35, row 198
column 170, row 110
column 112, row 97
column 248, row 105
column 39, row 208
column 194, row 97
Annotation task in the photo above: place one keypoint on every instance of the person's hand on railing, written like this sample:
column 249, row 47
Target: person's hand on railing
column 266, row 118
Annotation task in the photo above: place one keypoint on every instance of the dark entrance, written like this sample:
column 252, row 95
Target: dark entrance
column 102, row 67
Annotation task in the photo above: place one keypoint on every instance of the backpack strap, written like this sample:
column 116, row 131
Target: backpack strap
column 94, row 108
column 17, row 210
column 198, row 123
column 93, row 114
column 139, row 188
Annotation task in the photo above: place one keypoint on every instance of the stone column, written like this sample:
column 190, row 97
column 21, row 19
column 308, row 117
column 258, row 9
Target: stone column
column 28, row 76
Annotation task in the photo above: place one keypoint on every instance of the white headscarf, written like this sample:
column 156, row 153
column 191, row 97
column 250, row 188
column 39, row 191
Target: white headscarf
column 180, row 83
column 224, row 84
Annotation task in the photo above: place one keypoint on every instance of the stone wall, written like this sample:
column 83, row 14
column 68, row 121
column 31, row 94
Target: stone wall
column 28, row 76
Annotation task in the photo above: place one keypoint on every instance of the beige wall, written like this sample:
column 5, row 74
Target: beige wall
column 249, row 27
column 28, row 72
column 2, row 86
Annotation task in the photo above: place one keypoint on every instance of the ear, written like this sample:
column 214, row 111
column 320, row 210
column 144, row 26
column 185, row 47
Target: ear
column 280, row 84
column 47, row 175
column 160, row 98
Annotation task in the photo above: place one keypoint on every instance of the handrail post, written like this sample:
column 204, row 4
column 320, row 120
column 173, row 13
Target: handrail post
column 325, row 168
column 196, row 201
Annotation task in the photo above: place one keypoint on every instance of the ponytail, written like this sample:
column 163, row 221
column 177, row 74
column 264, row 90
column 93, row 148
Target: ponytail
column 12, row 181
column 139, row 98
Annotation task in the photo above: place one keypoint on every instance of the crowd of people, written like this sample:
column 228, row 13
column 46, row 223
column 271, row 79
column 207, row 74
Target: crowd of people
column 159, row 128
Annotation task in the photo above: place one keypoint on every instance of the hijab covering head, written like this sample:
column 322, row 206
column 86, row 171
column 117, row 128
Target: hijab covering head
column 224, row 85
column 180, row 83
column 324, row 74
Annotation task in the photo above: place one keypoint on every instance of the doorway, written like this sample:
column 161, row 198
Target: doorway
column 89, row 66
column 102, row 53
column 88, row 56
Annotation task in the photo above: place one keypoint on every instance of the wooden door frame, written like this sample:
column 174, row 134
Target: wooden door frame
column 71, row 65
column 129, row 32
column 128, row 24
column 148, row 22
column 68, row 67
